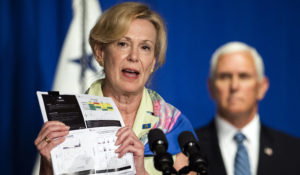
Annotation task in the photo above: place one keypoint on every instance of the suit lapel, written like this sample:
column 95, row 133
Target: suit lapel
column 210, row 147
column 266, row 153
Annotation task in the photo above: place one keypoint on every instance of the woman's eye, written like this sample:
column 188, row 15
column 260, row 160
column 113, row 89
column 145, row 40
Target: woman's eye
column 145, row 47
column 122, row 44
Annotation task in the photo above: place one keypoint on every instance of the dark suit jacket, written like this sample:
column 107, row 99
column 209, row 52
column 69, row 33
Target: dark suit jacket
column 279, row 153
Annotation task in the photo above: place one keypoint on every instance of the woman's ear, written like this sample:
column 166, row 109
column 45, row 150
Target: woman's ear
column 153, row 66
column 99, row 54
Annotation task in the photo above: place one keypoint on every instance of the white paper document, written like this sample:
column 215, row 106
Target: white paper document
column 90, row 146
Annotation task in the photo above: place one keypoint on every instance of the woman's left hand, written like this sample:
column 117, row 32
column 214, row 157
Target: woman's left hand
column 128, row 142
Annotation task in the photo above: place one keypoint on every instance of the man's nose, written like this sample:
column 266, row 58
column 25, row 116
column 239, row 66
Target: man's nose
column 235, row 83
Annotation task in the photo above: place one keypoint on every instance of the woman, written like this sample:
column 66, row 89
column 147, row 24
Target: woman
column 129, row 41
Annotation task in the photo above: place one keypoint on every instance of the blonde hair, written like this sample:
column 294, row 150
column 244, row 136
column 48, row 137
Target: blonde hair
column 114, row 24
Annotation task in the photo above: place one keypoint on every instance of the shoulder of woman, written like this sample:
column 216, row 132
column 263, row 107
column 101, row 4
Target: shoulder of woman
column 95, row 87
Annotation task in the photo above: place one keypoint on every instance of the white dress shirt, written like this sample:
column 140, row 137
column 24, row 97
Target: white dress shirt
column 228, row 146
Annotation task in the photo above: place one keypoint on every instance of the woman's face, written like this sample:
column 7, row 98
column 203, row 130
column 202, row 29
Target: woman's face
column 128, row 62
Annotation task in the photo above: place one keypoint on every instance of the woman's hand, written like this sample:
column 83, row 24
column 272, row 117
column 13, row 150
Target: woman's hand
column 129, row 142
column 181, row 161
column 51, row 134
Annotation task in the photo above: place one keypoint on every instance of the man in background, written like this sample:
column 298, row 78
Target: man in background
column 236, row 142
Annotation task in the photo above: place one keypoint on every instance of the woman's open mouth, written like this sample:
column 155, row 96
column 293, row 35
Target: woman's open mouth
column 130, row 73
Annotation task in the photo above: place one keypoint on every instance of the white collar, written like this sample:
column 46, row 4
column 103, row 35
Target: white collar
column 226, row 130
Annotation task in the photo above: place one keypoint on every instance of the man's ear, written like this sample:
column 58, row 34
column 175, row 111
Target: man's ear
column 263, row 88
column 211, row 90
column 99, row 54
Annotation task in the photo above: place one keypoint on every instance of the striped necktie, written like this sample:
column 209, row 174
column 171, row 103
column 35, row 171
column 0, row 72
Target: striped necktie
column 241, row 162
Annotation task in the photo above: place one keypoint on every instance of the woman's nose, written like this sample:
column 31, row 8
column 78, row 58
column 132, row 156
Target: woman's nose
column 133, row 55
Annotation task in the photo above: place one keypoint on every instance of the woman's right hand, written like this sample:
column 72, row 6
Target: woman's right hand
column 51, row 134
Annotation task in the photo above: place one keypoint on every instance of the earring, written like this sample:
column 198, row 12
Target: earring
column 101, row 63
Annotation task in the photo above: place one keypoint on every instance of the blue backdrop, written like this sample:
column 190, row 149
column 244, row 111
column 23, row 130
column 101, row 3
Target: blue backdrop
column 32, row 33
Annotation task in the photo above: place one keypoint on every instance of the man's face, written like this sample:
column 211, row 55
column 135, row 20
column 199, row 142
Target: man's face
column 235, row 86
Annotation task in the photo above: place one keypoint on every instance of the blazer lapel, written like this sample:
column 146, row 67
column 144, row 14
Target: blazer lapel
column 266, row 153
column 208, row 141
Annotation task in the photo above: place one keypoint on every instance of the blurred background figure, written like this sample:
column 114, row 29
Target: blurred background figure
column 236, row 142
column 33, row 36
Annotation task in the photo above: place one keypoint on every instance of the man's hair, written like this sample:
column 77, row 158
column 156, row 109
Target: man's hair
column 114, row 24
column 236, row 46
